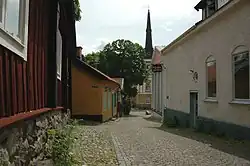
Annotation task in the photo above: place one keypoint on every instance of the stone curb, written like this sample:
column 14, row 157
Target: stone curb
column 120, row 155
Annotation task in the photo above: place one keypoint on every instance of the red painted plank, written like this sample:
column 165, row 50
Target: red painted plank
column 25, row 87
column 13, row 84
column 7, row 75
column 20, row 86
column 30, row 69
column 59, row 92
column 40, row 48
column 42, row 53
column 45, row 37
column 36, row 54
column 42, row 79
column 2, row 102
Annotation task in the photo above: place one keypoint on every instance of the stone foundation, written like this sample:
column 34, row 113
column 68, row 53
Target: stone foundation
column 178, row 117
column 219, row 128
column 143, row 106
column 24, row 143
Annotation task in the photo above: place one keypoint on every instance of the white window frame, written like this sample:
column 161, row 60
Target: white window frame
column 58, row 46
column 207, row 61
column 11, row 42
column 235, row 53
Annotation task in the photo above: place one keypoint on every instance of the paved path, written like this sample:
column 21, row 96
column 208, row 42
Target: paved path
column 139, row 141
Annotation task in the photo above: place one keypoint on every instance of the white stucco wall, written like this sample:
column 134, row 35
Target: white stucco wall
column 217, row 38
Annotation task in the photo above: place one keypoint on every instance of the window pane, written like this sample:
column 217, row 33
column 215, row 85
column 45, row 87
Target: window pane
column 148, row 87
column 114, row 99
column 59, row 53
column 12, row 16
column 104, row 100
column 58, row 46
column 109, row 100
column 211, row 79
column 1, row 11
column 241, row 75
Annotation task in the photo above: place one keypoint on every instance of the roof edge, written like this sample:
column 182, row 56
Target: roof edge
column 200, row 25
column 94, row 70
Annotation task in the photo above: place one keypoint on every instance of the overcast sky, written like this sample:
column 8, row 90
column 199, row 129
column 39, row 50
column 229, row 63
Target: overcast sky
column 106, row 20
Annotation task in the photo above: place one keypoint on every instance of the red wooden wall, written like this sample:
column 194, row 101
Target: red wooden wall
column 13, row 83
column 23, row 85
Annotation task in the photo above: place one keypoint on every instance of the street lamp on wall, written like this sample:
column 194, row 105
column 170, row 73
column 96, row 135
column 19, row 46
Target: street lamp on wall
column 194, row 75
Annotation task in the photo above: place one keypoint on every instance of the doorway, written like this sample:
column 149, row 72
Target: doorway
column 193, row 108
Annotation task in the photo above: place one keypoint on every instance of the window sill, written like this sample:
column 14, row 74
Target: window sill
column 13, row 44
column 241, row 102
column 211, row 100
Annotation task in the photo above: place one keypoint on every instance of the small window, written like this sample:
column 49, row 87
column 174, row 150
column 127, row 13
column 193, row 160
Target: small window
column 115, row 99
column 148, row 100
column 211, row 7
column 241, row 72
column 211, row 76
column 148, row 87
column 104, row 100
column 109, row 100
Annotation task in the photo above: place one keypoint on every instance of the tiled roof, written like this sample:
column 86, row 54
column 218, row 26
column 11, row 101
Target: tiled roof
column 83, row 65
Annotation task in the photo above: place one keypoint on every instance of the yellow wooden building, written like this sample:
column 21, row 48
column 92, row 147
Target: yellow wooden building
column 94, row 94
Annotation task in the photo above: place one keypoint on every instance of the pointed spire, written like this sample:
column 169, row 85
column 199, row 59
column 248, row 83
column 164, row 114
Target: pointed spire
column 148, row 44
column 148, row 22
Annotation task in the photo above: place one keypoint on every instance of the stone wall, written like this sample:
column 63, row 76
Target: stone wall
column 24, row 142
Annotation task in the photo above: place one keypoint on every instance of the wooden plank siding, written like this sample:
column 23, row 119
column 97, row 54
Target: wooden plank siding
column 37, row 46
column 24, row 84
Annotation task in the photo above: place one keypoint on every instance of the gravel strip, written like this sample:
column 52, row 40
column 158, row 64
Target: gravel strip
column 94, row 147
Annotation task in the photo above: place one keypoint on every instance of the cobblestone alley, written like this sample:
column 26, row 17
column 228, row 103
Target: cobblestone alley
column 137, row 140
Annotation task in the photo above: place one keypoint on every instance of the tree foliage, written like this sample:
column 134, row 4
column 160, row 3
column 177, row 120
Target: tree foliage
column 93, row 58
column 122, row 58
column 77, row 10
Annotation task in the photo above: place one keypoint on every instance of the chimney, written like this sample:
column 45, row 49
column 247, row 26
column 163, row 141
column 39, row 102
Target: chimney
column 78, row 52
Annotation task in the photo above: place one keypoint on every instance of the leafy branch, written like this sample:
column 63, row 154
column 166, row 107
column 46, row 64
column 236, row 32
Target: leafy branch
column 77, row 10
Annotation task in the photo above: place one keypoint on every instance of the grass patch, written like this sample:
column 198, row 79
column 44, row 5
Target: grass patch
column 59, row 145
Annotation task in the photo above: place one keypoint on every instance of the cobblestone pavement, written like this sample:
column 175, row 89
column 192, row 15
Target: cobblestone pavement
column 140, row 141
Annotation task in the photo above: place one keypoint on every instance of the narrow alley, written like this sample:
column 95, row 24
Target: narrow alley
column 140, row 140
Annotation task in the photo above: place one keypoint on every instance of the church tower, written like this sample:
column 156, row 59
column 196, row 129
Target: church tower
column 148, row 44
column 144, row 95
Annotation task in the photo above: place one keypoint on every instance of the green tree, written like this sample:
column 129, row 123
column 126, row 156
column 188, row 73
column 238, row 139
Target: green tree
column 77, row 12
column 93, row 58
column 123, row 58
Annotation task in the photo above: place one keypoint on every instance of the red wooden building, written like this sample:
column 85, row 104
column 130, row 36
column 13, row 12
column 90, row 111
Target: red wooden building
column 35, row 57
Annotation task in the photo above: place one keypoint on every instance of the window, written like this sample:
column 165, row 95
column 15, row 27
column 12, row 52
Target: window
column 104, row 100
column 211, row 7
column 115, row 99
column 148, row 100
column 222, row 3
column 241, row 72
column 109, row 99
column 211, row 76
column 14, row 25
column 148, row 87
column 58, row 46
